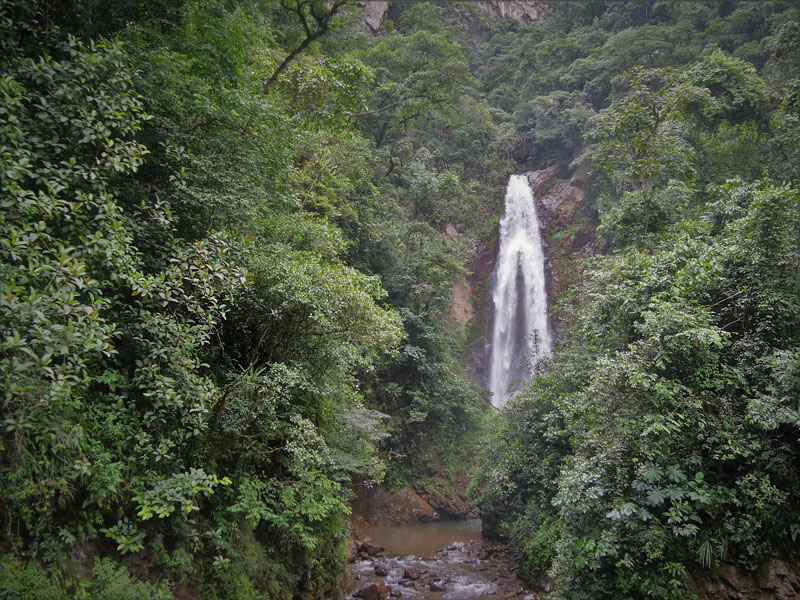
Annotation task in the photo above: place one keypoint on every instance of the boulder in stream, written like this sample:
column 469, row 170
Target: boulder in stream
column 381, row 571
column 373, row 591
column 370, row 549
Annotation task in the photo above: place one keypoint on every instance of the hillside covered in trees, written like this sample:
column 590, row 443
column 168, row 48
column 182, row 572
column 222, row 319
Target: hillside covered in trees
column 230, row 232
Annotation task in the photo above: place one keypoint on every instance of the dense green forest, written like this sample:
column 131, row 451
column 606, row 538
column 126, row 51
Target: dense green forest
column 230, row 233
column 662, row 434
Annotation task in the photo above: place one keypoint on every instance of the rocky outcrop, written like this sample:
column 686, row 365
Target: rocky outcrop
column 776, row 580
column 452, row 505
column 560, row 200
column 569, row 229
column 377, row 506
column 374, row 13
column 478, row 361
column 479, row 281
column 461, row 308
column 523, row 11
column 483, row 264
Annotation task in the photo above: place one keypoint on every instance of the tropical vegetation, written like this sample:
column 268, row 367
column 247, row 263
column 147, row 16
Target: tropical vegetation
column 230, row 231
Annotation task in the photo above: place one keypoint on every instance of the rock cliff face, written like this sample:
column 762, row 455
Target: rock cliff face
column 374, row 13
column 479, row 284
column 462, row 309
column 569, row 230
column 377, row 506
column 776, row 579
column 523, row 11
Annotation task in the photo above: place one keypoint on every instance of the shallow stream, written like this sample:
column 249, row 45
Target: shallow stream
column 441, row 560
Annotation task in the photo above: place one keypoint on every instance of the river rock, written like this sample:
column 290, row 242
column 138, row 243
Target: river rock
column 373, row 591
column 452, row 565
column 370, row 549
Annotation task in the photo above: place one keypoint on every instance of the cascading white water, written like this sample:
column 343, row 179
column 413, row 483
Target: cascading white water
column 521, row 334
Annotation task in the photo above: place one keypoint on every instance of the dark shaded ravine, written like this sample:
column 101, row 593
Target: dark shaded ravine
column 447, row 560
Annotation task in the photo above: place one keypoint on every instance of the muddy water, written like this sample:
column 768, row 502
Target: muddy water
column 423, row 539
column 442, row 560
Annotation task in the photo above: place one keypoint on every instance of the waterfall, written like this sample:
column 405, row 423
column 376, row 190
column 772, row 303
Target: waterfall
column 521, row 332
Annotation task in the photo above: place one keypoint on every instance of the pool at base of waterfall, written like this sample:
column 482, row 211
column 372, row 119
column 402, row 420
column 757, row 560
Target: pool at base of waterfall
column 423, row 539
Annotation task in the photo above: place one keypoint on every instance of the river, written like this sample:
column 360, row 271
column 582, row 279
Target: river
column 446, row 560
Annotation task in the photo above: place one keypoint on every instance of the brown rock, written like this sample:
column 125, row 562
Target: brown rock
column 381, row 571
column 542, row 181
column 438, row 586
column 461, row 308
column 781, row 569
column 373, row 591
column 483, row 265
column 411, row 573
column 370, row 548
column 578, row 178
column 376, row 506
column 774, row 580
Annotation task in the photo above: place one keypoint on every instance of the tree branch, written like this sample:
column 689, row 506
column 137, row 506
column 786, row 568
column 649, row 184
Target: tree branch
column 323, row 22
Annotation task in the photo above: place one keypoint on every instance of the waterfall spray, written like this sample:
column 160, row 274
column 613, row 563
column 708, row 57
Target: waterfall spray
column 521, row 332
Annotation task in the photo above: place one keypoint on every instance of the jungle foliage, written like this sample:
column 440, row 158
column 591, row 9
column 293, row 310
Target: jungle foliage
column 661, row 436
column 230, row 231
column 225, row 296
